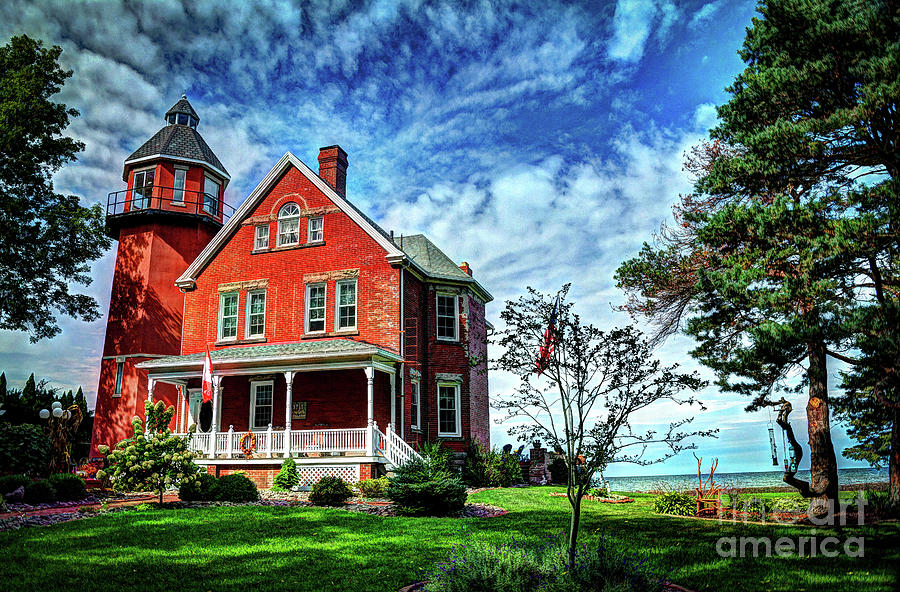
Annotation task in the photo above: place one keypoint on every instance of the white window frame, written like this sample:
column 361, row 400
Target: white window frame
column 247, row 333
column 120, row 377
column 178, row 192
column 458, row 407
column 220, row 334
column 337, row 304
column 415, row 404
column 437, row 316
column 306, row 328
column 258, row 237
column 320, row 231
column 282, row 218
column 144, row 201
column 252, row 420
column 215, row 204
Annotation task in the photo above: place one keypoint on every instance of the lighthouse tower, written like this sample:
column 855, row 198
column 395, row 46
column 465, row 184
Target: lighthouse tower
column 169, row 211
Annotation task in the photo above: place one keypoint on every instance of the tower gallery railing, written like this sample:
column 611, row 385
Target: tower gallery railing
column 170, row 199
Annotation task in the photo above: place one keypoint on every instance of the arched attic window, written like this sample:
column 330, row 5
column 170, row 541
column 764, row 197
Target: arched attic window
column 289, row 224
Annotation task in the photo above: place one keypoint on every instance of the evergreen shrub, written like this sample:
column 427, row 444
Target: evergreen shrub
column 235, row 488
column 372, row 488
column 287, row 477
column 199, row 489
column 68, row 487
column 419, row 488
column 330, row 491
column 40, row 492
column 10, row 483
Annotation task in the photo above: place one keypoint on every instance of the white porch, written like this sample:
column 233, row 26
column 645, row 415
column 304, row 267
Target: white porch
column 326, row 446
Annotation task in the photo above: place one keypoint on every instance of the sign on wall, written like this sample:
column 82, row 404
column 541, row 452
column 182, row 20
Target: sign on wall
column 298, row 410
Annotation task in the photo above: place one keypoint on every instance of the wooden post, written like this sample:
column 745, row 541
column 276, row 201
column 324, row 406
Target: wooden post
column 269, row 442
column 151, row 383
column 230, row 441
column 370, row 410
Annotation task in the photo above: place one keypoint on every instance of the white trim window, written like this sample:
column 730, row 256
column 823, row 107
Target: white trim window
column 447, row 317
column 415, row 410
column 315, row 308
column 120, row 372
column 178, row 188
column 256, row 314
column 211, row 189
column 448, row 408
column 228, row 316
column 261, row 394
column 261, row 238
column 315, row 230
column 142, row 188
column 345, row 305
column 289, row 224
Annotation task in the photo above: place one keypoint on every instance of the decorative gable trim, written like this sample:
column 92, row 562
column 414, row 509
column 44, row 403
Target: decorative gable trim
column 188, row 279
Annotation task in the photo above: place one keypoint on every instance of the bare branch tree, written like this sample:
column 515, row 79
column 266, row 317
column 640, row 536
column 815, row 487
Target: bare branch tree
column 590, row 386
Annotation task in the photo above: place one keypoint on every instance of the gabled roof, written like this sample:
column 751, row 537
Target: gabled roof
column 328, row 348
column 393, row 253
column 178, row 142
column 416, row 250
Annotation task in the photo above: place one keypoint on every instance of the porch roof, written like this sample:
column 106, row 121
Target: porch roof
column 306, row 352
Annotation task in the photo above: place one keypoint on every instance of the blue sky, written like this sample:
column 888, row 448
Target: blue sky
column 540, row 142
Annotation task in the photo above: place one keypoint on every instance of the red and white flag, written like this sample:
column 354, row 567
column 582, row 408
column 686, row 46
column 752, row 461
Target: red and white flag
column 207, row 378
column 548, row 343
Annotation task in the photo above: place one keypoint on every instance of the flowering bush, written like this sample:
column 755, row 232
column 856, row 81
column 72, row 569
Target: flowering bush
column 153, row 461
column 511, row 566
column 202, row 488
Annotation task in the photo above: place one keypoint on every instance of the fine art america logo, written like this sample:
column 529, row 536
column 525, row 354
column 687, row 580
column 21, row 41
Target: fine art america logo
column 757, row 510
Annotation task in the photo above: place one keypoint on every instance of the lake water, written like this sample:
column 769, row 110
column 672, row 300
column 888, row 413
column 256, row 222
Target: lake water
column 741, row 480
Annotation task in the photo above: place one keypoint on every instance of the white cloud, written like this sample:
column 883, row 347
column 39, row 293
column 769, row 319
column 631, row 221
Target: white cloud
column 632, row 23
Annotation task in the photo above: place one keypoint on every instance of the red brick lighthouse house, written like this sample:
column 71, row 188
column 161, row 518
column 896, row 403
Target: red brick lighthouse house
column 332, row 341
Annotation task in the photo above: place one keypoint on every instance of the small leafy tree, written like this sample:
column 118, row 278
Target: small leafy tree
column 151, row 460
column 590, row 386
column 287, row 477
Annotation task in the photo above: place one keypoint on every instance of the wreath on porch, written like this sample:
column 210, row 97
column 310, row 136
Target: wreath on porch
column 248, row 444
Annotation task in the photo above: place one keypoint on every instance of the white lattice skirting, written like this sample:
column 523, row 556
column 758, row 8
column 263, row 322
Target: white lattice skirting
column 311, row 474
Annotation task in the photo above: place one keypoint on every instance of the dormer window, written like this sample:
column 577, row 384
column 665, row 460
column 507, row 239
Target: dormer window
column 289, row 224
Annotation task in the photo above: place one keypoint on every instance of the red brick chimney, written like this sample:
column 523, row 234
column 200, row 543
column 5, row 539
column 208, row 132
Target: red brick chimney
column 465, row 267
column 333, row 167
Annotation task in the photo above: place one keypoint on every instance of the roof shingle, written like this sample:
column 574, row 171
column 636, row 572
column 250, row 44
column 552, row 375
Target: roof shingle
column 179, row 141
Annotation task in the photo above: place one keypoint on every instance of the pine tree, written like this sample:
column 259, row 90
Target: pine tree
column 786, row 249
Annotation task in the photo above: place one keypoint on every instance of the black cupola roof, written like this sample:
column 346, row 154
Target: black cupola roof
column 178, row 140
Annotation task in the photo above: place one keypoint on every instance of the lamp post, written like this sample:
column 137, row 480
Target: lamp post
column 62, row 424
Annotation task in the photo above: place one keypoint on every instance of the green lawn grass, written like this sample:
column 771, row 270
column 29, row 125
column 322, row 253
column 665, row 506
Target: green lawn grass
column 275, row 548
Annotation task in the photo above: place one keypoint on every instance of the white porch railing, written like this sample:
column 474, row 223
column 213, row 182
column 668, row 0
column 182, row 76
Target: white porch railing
column 271, row 443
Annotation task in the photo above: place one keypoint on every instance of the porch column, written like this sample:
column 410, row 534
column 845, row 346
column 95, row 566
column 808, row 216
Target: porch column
column 214, row 428
column 370, row 389
column 151, row 383
column 177, row 408
column 288, row 406
column 393, row 376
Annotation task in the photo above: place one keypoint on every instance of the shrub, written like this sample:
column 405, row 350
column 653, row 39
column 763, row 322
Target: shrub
column 235, row 488
column 419, row 489
column 201, row 488
column 68, row 487
column 287, row 477
column 486, row 467
column 436, row 455
column 39, row 492
column 678, row 503
column 880, row 503
column 558, row 471
column 482, row 566
column 330, row 491
column 369, row 488
column 10, row 483
column 24, row 449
